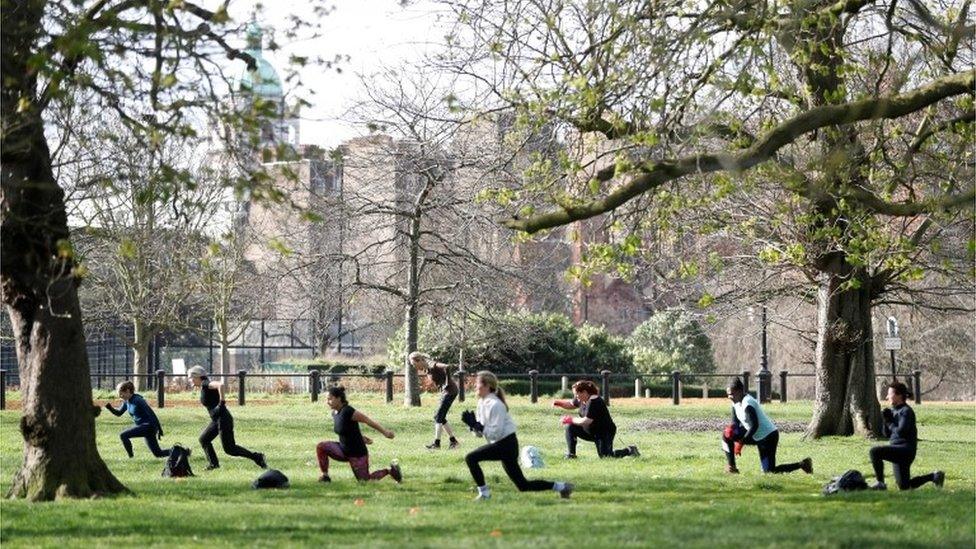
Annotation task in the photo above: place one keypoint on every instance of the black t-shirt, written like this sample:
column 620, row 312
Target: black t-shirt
column 350, row 437
column 210, row 398
column 596, row 409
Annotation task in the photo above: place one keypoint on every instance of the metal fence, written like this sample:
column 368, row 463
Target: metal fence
column 315, row 381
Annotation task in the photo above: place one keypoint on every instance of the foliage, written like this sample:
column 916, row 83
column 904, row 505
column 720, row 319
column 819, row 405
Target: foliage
column 519, row 342
column 669, row 341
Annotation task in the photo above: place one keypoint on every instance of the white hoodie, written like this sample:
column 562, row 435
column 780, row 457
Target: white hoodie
column 493, row 414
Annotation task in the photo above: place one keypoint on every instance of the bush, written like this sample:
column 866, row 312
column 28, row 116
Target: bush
column 669, row 341
column 518, row 343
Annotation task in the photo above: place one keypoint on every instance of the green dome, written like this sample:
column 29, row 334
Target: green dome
column 264, row 80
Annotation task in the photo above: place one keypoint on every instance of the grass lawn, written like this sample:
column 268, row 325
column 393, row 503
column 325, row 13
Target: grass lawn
column 676, row 493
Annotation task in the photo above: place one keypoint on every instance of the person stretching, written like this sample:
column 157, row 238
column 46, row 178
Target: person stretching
column 493, row 422
column 899, row 426
column 221, row 422
column 594, row 422
column 352, row 444
column 751, row 425
column 147, row 424
column 441, row 377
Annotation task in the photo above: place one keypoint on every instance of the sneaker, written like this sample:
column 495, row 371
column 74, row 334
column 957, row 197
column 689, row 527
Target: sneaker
column 879, row 486
column 324, row 478
column 454, row 444
column 434, row 445
column 211, row 467
column 482, row 497
column 938, row 478
column 634, row 451
column 570, row 456
column 396, row 472
column 731, row 470
column 807, row 466
column 259, row 459
column 567, row 490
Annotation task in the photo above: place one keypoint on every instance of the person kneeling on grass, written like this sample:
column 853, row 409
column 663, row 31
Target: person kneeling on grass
column 221, row 422
column 594, row 422
column 493, row 422
column 352, row 444
column 147, row 424
column 899, row 425
column 751, row 425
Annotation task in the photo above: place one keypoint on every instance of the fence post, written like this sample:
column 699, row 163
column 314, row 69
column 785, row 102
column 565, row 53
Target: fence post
column 647, row 392
column 314, row 375
column 389, row 385
column 534, row 386
column 3, row 389
column 637, row 387
column 460, row 375
column 745, row 380
column 782, row 385
column 676, row 387
column 161, row 388
column 241, row 377
column 917, row 374
column 705, row 391
column 565, row 383
column 606, row 386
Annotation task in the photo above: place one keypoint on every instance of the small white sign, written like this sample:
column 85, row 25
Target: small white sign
column 892, row 343
column 179, row 367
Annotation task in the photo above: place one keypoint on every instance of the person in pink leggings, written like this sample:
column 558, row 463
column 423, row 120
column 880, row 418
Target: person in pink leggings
column 351, row 446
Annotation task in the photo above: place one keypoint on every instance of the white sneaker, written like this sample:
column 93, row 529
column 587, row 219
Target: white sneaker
column 879, row 486
column 482, row 497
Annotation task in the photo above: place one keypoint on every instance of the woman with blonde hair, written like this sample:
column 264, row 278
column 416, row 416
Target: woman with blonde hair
column 440, row 375
column 493, row 422
column 221, row 422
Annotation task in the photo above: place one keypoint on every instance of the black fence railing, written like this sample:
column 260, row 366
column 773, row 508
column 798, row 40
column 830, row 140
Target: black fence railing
column 318, row 380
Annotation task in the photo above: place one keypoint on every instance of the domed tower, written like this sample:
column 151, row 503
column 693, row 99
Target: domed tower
column 263, row 82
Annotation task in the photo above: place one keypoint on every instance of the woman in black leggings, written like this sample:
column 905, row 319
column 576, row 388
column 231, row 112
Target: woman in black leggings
column 440, row 376
column 221, row 422
column 493, row 422
column 899, row 426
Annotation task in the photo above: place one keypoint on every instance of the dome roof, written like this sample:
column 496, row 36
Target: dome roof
column 264, row 80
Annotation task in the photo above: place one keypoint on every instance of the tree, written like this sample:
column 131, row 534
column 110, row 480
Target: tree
column 856, row 112
column 670, row 341
column 152, row 65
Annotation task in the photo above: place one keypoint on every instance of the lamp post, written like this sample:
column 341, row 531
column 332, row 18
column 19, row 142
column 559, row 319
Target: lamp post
column 764, row 375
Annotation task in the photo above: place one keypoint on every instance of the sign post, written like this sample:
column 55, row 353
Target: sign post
column 892, row 343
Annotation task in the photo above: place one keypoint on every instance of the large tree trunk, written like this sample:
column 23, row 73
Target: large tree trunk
column 140, row 354
column 39, row 289
column 846, row 399
column 224, row 335
column 411, row 396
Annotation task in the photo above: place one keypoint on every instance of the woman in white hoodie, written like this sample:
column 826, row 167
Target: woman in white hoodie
column 493, row 422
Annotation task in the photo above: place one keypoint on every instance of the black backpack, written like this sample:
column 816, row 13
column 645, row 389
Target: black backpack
column 851, row 481
column 178, row 463
column 272, row 478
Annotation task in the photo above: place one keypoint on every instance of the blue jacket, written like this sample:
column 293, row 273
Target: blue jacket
column 140, row 411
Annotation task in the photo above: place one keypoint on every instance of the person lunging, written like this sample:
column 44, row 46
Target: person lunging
column 351, row 446
column 492, row 421
column 221, row 422
column 899, row 427
column 751, row 426
column 147, row 425
column 594, row 422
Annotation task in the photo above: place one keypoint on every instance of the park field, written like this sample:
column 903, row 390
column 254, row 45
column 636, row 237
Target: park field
column 676, row 493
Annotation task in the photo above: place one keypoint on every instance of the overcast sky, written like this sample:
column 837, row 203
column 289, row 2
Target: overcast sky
column 373, row 33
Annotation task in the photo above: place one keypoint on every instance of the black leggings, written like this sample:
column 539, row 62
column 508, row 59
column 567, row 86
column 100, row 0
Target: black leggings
column 901, row 458
column 767, row 454
column 604, row 444
column 147, row 432
column 440, row 417
column 506, row 451
column 223, row 425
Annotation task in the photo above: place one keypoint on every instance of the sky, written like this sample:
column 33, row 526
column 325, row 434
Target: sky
column 373, row 33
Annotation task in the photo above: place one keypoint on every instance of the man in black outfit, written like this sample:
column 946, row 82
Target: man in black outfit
column 899, row 425
column 594, row 422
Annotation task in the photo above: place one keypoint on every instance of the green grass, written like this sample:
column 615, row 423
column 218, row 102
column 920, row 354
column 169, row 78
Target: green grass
column 676, row 493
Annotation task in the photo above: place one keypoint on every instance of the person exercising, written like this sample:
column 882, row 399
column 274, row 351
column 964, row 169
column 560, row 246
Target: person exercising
column 594, row 422
column 221, row 422
column 147, row 425
column 352, row 444
column 899, row 426
column 751, row 426
column 440, row 375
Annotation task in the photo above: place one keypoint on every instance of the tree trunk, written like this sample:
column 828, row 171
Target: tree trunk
column 846, row 399
column 224, row 367
column 39, row 288
column 140, row 354
column 411, row 396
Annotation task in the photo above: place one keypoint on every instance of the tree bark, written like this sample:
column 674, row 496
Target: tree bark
column 846, row 400
column 140, row 354
column 411, row 396
column 224, row 367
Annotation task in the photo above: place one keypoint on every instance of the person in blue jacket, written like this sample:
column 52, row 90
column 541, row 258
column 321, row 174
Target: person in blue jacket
column 899, row 426
column 146, row 423
column 751, row 425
